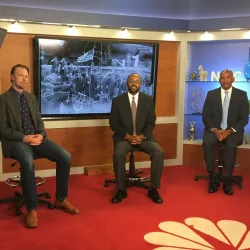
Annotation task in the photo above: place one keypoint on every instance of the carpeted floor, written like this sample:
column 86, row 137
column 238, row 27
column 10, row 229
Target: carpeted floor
column 190, row 218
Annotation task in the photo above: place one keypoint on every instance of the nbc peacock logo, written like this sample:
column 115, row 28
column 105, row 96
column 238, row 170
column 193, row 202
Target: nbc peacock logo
column 200, row 234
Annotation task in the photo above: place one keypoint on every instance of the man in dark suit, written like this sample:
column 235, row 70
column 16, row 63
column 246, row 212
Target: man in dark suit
column 225, row 114
column 132, row 119
column 23, row 137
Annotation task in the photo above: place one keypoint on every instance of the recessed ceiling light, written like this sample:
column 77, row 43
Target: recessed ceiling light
column 231, row 29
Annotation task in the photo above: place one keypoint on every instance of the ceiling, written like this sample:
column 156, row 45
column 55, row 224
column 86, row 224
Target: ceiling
column 146, row 14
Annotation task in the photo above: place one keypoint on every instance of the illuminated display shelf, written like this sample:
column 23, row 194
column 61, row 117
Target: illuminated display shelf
column 206, row 59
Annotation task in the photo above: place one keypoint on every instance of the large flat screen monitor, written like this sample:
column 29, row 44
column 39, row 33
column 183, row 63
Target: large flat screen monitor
column 78, row 79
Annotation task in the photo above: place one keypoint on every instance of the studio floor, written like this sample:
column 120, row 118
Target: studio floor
column 189, row 218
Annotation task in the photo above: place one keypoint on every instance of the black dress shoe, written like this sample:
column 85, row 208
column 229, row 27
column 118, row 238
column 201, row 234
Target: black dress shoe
column 213, row 186
column 154, row 195
column 120, row 194
column 214, row 182
column 228, row 189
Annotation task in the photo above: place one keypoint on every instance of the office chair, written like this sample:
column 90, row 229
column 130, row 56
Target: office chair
column 220, row 164
column 15, row 181
column 134, row 177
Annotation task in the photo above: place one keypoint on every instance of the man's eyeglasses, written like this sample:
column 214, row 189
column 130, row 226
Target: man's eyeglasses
column 134, row 81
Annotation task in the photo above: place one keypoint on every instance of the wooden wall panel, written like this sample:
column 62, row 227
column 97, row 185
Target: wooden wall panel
column 166, row 79
column 193, row 156
column 16, row 48
column 94, row 146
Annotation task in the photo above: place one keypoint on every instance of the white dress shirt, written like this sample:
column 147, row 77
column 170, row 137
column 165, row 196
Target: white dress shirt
column 136, row 96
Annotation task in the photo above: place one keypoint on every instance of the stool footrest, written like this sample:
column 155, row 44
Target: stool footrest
column 15, row 181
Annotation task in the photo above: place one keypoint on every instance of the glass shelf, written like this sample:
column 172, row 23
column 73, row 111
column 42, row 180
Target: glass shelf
column 194, row 142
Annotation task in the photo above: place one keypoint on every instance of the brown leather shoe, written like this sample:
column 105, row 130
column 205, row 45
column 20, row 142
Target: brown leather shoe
column 31, row 219
column 66, row 206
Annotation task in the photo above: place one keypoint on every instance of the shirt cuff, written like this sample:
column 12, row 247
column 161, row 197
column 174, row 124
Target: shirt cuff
column 42, row 133
column 234, row 130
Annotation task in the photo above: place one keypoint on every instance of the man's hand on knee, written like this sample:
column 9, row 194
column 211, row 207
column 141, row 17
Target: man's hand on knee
column 28, row 138
column 131, row 138
column 218, row 134
column 226, row 133
column 33, row 140
column 139, row 138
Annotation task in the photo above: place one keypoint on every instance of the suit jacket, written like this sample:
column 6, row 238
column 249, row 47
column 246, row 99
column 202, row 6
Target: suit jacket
column 10, row 120
column 238, row 110
column 121, row 121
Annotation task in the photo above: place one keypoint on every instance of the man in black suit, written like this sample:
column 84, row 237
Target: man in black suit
column 225, row 114
column 132, row 119
column 23, row 137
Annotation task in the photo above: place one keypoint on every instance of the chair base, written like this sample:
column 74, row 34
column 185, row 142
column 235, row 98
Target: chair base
column 18, row 197
column 236, row 179
column 132, row 179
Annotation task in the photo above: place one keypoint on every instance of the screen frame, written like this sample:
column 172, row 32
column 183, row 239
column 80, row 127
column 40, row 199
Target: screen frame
column 87, row 116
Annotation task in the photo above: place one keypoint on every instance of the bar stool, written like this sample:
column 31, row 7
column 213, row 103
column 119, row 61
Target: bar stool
column 15, row 181
column 236, row 179
column 134, row 177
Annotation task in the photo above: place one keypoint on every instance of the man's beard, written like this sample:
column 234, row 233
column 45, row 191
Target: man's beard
column 133, row 91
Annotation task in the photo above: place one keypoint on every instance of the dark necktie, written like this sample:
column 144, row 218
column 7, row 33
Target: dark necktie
column 25, row 115
column 133, row 107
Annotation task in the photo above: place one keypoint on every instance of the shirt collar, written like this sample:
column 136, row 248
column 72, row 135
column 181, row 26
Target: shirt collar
column 15, row 92
column 229, row 90
column 135, row 96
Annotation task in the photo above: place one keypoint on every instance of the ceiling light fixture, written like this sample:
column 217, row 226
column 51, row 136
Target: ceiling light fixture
column 231, row 29
column 207, row 36
column 15, row 27
column 130, row 28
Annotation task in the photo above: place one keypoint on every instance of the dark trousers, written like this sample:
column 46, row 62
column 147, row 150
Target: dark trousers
column 229, row 152
column 25, row 154
column 151, row 148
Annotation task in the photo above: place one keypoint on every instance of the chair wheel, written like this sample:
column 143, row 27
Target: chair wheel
column 47, row 196
column 240, row 186
column 196, row 178
column 18, row 212
column 51, row 206
column 106, row 184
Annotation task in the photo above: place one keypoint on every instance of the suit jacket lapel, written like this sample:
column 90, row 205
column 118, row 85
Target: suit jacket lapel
column 231, row 102
column 218, row 101
column 139, row 108
column 14, row 107
column 128, row 106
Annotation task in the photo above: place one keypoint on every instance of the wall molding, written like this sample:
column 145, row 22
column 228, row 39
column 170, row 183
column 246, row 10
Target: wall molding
column 96, row 122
